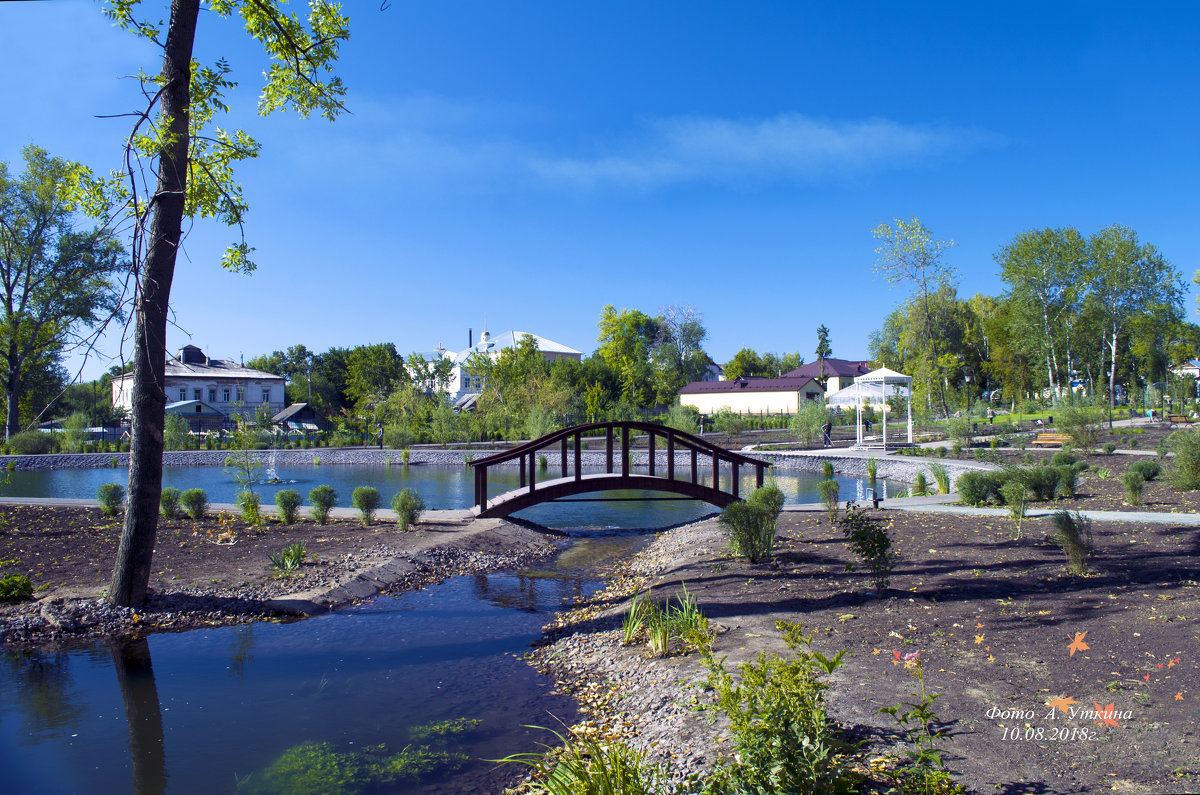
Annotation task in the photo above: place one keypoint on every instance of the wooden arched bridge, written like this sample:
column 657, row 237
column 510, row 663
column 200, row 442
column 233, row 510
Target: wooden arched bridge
column 617, row 472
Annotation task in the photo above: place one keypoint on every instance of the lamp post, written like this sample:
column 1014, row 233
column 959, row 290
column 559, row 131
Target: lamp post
column 967, row 396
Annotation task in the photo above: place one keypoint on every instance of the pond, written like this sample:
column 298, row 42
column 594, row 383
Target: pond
column 441, row 487
column 266, row 707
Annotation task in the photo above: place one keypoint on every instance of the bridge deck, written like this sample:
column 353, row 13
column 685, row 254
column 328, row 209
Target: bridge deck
column 546, row 490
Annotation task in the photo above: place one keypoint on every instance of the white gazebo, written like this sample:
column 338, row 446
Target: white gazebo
column 874, row 388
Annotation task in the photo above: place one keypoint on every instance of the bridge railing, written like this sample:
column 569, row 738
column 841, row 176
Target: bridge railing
column 616, row 447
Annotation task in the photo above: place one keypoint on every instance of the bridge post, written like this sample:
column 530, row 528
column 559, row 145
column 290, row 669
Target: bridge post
column 562, row 457
column 670, row 456
column 651, row 437
column 716, row 470
column 758, row 475
column 734, row 467
column 578, row 456
column 694, row 478
column 532, row 472
column 624, row 451
column 608, row 449
column 522, row 459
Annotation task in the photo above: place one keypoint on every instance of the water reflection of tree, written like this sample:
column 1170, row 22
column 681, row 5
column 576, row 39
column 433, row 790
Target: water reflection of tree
column 44, row 693
column 522, row 592
column 135, row 675
column 243, row 642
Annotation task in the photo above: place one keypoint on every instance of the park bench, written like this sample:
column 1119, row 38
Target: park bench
column 1052, row 439
column 1179, row 418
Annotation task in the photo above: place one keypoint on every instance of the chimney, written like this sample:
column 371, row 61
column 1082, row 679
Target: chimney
column 470, row 338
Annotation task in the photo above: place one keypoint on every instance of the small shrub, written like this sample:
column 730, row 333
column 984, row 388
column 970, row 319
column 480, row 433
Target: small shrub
column 1062, row 457
column 168, row 502
column 827, row 469
column 290, row 557
column 408, row 507
column 1075, row 537
column 1042, row 481
column 288, row 502
column 957, row 449
column 942, row 452
column 194, row 502
column 973, row 488
column 751, row 523
column 872, row 471
column 1068, row 481
column 925, row 771
column 15, row 588
column 405, row 456
column 1082, row 424
column 1185, row 469
column 1149, row 470
column 1134, row 485
column 248, row 503
column 112, row 498
column 1016, row 495
column 1109, row 448
column 322, row 498
column 1163, row 448
column 920, row 485
column 366, row 500
column 829, row 491
column 868, row 538
column 543, row 462
column 31, row 443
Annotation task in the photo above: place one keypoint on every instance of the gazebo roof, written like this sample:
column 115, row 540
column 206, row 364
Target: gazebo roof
column 883, row 376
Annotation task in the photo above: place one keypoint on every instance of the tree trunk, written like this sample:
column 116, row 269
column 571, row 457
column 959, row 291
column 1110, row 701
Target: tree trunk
column 1112, row 376
column 131, row 575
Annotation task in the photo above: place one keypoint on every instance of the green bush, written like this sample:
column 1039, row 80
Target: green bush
column 585, row 764
column 168, row 503
column 1134, row 485
column 1042, row 481
column 1109, row 448
column 1185, row 469
column 806, row 423
column 1016, row 496
column 323, row 499
column 940, row 476
column 1062, row 457
column 290, row 557
column 31, row 443
column 1081, row 423
column 1075, row 537
column 1068, row 481
column 111, row 497
column 868, row 538
column 751, row 523
column 920, row 485
column 249, row 503
column 408, row 507
column 15, row 588
column 194, row 502
column 288, row 502
column 827, row 469
column 1149, row 470
column 973, row 488
column 829, row 491
column 366, row 500
column 959, row 429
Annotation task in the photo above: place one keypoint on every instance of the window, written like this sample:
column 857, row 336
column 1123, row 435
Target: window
column 212, row 395
column 240, row 396
column 195, row 394
column 266, row 395
column 810, row 395
column 183, row 393
column 225, row 395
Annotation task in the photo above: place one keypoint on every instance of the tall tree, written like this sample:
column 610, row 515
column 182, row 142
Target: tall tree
column 824, row 351
column 626, row 338
column 1128, row 278
column 372, row 372
column 192, row 172
column 55, row 282
column 908, row 253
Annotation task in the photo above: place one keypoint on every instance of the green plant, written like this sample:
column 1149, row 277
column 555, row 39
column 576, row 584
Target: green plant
column 829, row 491
column 925, row 771
column 959, row 429
column 289, row 558
column 168, row 502
column 1149, row 470
column 248, row 503
column 920, row 485
column 681, row 622
column 868, row 538
column 635, row 618
column 1062, row 457
column 827, row 469
column 315, row 767
column 1109, row 448
column 1103, row 473
column 322, row 498
column 806, row 423
column 751, row 523
column 442, row 729
column 15, row 588
column 194, row 502
column 112, row 498
column 872, row 471
column 75, row 431
column 366, row 500
column 1185, row 469
column 957, row 448
column 1134, row 485
column 728, row 423
column 1042, row 481
column 176, row 432
column 1075, row 537
column 1162, row 448
column 408, row 507
column 584, row 765
column 316, row 460
column 942, row 452
column 972, row 488
column 1016, row 495
column 783, row 738
column 1068, row 481
column 941, row 476
column 405, row 456
column 243, row 464
column 543, row 463
column 288, row 502
column 1081, row 423
column 682, row 418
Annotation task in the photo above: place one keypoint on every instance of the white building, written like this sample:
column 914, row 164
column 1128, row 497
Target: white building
column 465, row 385
column 194, row 379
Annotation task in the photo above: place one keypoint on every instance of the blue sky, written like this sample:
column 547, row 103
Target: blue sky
column 534, row 161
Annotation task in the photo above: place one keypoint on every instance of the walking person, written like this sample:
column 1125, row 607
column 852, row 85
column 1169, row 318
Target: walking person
column 827, row 429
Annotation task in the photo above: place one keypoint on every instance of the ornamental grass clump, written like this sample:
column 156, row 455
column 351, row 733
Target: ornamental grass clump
column 920, row 485
column 366, row 500
column 829, row 491
column 751, row 523
column 168, row 503
column 1134, row 485
column 288, row 502
column 195, row 503
column 1185, row 468
column 1149, row 470
column 408, row 507
column 1068, row 481
column 289, row 558
column 112, row 498
column 941, row 477
column 586, row 765
column 249, row 505
column 323, row 499
column 1075, row 537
